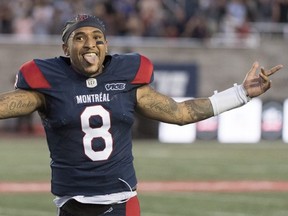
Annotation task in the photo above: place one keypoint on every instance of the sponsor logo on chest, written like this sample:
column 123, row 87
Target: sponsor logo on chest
column 115, row 86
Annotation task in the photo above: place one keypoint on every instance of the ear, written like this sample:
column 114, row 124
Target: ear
column 65, row 49
column 106, row 44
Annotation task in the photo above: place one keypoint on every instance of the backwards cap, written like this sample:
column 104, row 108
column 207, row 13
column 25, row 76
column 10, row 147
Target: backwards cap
column 81, row 20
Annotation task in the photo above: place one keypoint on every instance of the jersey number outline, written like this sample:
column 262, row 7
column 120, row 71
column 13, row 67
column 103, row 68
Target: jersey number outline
column 98, row 132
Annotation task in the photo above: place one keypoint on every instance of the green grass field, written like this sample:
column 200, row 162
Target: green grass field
column 24, row 160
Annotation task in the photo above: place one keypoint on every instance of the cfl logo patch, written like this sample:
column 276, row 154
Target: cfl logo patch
column 91, row 82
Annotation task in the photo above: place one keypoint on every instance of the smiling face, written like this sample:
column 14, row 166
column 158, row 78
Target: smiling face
column 86, row 47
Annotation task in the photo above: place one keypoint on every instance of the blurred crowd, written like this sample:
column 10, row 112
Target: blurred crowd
column 148, row 18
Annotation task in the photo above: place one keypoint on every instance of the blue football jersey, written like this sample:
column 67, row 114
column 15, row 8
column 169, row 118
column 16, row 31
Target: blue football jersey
column 88, row 121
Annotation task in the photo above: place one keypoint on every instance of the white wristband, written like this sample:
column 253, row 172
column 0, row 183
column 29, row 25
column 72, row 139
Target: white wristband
column 231, row 98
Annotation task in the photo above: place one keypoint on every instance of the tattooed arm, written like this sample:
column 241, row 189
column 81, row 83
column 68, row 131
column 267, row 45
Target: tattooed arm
column 19, row 102
column 159, row 107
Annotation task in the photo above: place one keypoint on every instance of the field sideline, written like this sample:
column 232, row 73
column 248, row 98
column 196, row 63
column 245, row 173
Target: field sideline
column 199, row 179
column 218, row 186
column 182, row 184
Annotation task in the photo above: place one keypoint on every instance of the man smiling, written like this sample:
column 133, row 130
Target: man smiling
column 85, row 43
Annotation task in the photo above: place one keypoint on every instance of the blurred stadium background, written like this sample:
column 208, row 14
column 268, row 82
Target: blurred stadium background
column 197, row 46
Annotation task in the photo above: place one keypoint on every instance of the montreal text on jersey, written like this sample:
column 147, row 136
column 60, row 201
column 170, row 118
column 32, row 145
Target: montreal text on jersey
column 92, row 98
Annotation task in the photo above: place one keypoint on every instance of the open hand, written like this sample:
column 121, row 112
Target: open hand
column 256, row 84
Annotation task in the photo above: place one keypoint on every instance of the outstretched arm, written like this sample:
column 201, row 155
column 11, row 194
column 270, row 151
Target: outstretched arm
column 19, row 102
column 154, row 105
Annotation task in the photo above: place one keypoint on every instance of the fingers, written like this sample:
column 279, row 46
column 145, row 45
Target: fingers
column 266, row 80
column 254, row 68
column 252, row 72
column 271, row 71
column 263, row 75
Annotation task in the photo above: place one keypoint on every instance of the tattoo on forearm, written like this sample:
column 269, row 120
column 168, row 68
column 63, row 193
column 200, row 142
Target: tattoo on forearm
column 15, row 104
column 168, row 107
column 199, row 109
column 160, row 107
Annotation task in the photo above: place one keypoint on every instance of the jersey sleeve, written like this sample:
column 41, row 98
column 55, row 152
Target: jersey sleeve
column 144, row 75
column 31, row 77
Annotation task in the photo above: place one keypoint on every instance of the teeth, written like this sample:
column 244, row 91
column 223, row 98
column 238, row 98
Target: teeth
column 90, row 54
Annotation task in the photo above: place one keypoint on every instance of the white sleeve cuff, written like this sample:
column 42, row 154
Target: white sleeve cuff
column 228, row 99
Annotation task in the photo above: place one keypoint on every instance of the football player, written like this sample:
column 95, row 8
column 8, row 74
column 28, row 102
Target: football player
column 87, row 99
